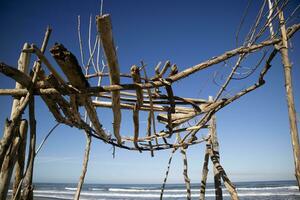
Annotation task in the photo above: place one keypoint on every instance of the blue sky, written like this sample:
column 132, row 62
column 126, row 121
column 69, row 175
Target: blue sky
column 253, row 132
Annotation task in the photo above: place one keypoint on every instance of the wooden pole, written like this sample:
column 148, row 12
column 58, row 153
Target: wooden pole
column 23, row 63
column 185, row 169
column 11, row 139
column 84, row 166
column 13, row 124
column 135, row 73
column 290, row 96
column 28, row 186
column 105, row 30
column 20, row 163
column 228, row 184
column 205, row 171
column 7, row 167
column 167, row 173
column 215, row 149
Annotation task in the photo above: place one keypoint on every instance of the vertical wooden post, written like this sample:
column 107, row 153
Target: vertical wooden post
column 135, row 73
column 290, row 96
column 105, row 30
column 204, row 171
column 185, row 174
column 23, row 63
column 28, row 187
column 11, row 140
column 84, row 166
column 7, row 167
column 19, row 166
column 215, row 149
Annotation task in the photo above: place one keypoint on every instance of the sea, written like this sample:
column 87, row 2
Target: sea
column 263, row 190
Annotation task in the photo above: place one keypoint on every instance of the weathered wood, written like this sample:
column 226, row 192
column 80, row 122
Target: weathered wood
column 204, row 172
column 164, row 69
column 84, row 166
column 228, row 184
column 174, row 70
column 105, row 30
column 167, row 174
column 135, row 73
column 156, row 69
column 43, row 59
column 20, row 163
column 17, row 113
column 146, row 107
column 135, row 114
column 27, row 182
column 222, row 103
column 215, row 149
column 7, row 167
column 229, row 54
column 103, row 74
column 290, row 96
column 159, row 74
column 10, row 132
column 94, row 90
column 69, row 65
column 185, row 173
column 21, row 78
column 149, row 122
column 150, row 119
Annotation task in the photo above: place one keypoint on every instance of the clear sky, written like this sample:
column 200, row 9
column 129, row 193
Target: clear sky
column 253, row 132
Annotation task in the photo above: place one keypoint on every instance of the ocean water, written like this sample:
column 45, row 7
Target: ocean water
column 275, row 190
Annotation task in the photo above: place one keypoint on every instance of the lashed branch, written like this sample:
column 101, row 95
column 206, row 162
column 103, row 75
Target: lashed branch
column 150, row 119
column 69, row 65
column 135, row 73
column 105, row 30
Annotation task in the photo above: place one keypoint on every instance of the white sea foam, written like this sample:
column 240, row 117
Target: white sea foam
column 196, row 190
column 270, row 188
column 53, row 196
column 64, row 194
column 97, row 189
column 60, row 197
column 70, row 188
column 154, row 190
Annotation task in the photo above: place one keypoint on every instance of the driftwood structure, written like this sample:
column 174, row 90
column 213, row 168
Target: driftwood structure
column 71, row 98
